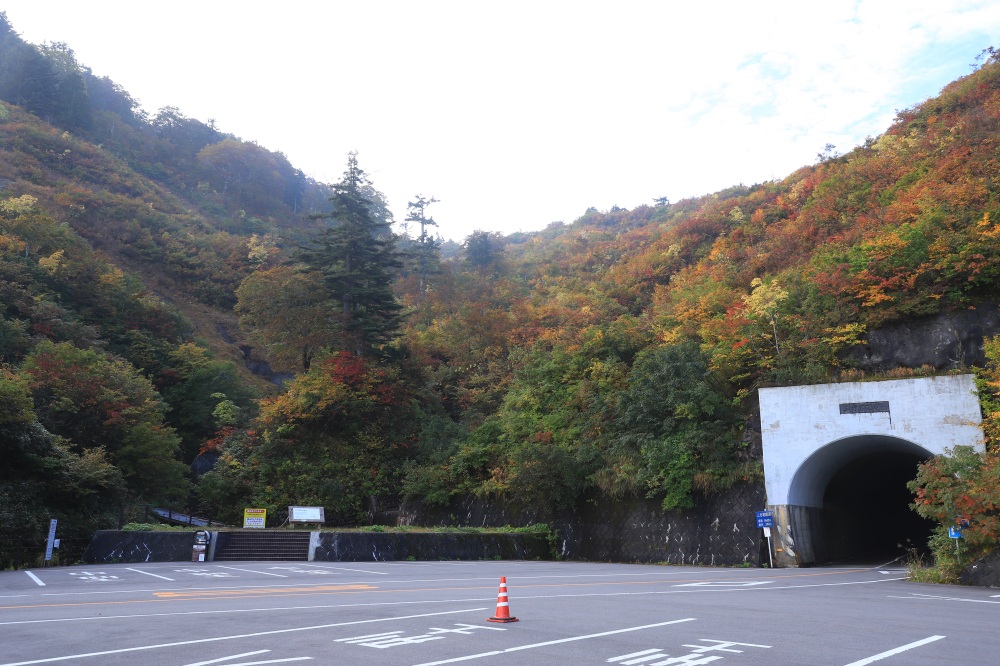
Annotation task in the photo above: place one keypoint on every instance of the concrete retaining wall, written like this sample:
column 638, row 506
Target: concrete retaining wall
column 720, row 530
column 374, row 546
column 110, row 546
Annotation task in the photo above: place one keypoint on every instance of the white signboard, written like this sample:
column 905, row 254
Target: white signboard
column 306, row 514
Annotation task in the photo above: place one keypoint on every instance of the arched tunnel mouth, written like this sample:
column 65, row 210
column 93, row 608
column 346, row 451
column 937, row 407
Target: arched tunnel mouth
column 866, row 510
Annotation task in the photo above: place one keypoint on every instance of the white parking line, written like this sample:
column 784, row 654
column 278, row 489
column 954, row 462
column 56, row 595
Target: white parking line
column 35, row 578
column 718, row 583
column 902, row 648
column 249, row 663
column 149, row 574
column 571, row 639
column 222, row 566
column 235, row 656
column 274, row 632
column 377, row 573
column 936, row 597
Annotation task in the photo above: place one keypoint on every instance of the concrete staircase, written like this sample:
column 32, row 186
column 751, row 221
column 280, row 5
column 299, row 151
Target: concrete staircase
column 262, row 545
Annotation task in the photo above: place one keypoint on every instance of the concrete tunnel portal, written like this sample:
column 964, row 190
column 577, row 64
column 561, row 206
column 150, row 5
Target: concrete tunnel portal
column 859, row 484
column 837, row 458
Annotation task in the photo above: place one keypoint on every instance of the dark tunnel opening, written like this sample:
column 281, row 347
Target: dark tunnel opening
column 866, row 510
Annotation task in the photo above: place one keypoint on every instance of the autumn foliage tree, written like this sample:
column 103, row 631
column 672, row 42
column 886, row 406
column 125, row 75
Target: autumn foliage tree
column 97, row 402
column 287, row 309
column 615, row 354
column 960, row 490
column 42, row 477
column 336, row 438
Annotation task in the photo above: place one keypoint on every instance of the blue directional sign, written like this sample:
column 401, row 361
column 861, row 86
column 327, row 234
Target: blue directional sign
column 765, row 519
column 955, row 532
column 51, row 541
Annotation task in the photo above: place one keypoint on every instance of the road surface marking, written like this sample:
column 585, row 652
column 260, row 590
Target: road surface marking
column 203, row 594
column 277, row 591
column 149, row 574
column 35, row 578
column 902, row 648
column 263, row 573
column 249, row 663
column 735, row 583
column 547, row 643
column 375, row 573
column 935, row 597
column 274, row 632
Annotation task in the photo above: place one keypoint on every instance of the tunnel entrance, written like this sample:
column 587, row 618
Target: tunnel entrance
column 837, row 458
column 854, row 504
column 866, row 510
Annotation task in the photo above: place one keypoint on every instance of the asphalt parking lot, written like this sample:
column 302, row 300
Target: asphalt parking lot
column 430, row 613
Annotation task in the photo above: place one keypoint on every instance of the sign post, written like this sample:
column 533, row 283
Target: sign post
column 765, row 519
column 955, row 533
column 51, row 541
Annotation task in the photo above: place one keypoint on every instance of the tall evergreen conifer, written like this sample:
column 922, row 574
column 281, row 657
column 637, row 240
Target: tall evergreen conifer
column 356, row 256
column 427, row 246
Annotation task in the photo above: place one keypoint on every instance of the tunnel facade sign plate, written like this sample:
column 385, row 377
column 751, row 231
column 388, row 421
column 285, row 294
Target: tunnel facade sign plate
column 876, row 407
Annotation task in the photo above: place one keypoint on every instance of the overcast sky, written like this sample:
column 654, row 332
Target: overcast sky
column 521, row 113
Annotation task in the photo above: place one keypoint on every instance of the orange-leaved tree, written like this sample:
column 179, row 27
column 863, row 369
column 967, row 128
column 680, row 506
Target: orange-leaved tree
column 962, row 489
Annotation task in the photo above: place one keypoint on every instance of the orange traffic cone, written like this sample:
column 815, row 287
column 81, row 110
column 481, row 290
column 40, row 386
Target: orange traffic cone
column 503, row 607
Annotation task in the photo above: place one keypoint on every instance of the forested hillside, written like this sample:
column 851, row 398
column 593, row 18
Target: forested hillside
column 144, row 259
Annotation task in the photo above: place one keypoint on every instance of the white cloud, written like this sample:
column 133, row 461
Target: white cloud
column 521, row 113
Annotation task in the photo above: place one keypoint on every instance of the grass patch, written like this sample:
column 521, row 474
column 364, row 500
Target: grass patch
column 918, row 573
column 157, row 527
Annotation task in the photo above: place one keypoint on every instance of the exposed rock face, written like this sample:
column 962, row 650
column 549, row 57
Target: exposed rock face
column 984, row 573
column 946, row 341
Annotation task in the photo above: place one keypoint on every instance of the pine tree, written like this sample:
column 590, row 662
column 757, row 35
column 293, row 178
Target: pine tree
column 357, row 259
column 427, row 247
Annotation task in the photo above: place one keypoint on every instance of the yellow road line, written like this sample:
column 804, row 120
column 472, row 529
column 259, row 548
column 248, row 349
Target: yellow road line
column 354, row 589
column 265, row 591
column 207, row 594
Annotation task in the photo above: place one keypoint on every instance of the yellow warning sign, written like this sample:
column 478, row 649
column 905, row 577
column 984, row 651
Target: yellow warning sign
column 254, row 518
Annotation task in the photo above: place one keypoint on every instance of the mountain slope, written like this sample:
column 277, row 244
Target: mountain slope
column 619, row 354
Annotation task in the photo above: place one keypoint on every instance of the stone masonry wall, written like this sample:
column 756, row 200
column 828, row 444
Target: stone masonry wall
column 393, row 546
column 720, row 530
column 111, row 546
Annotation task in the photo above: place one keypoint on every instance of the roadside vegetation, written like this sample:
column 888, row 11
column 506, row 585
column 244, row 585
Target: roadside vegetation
column 190, row 321
column 961, row 491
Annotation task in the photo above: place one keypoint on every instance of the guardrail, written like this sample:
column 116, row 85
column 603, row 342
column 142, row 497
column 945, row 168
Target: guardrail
column 178, row 518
